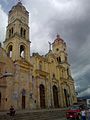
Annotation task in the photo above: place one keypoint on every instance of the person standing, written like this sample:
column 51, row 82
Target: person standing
column 83, row 114
column 88, row 114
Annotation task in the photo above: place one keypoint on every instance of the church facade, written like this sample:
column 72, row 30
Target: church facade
column 33, row 82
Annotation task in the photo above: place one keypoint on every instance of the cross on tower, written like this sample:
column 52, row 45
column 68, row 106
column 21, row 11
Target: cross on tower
column 49, row 45
column 19, row 0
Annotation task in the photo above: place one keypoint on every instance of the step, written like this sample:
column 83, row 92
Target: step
column 35, row 115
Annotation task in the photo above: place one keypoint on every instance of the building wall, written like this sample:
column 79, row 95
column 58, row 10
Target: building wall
column 6, row 82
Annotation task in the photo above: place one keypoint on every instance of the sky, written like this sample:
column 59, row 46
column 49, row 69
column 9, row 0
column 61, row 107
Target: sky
column 70, row 19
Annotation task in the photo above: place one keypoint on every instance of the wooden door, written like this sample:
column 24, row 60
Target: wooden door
column 23, row 102
column 42, row 96
column 55, row 97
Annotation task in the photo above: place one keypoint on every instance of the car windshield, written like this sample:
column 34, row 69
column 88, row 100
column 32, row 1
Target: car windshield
column 74, row 107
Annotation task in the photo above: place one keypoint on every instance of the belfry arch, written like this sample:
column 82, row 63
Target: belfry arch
column 22, row 51
column 9, row 52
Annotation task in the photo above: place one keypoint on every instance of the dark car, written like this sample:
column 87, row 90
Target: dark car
column 73, row 112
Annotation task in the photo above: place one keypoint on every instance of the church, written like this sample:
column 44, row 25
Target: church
column 33, row 81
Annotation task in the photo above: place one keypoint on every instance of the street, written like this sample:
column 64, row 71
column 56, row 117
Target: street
column 61, row 119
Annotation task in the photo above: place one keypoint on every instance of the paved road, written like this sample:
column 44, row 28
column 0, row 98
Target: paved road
column 61, row 119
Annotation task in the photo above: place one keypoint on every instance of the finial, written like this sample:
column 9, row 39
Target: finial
column 49, row 45
column 58, row 36
column 20, row 1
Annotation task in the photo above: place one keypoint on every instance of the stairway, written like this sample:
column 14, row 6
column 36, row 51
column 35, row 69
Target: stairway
column 35, row 115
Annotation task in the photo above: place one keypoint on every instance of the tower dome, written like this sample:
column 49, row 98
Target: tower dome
column 58, row 39
column 58, row 44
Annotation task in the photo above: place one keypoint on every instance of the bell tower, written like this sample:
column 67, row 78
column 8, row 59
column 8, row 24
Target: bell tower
column 17, row 44
column 59, row 49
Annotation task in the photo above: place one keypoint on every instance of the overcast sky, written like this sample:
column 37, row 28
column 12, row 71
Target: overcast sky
column 70, row 19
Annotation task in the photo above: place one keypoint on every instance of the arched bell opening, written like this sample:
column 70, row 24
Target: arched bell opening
column 22, row 51
column 9, row 53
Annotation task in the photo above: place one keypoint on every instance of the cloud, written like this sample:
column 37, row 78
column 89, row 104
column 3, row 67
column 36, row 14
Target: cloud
column 86, row 92
column 3, row 24
column 71, row 19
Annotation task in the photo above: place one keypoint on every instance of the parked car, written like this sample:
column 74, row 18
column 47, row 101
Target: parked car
column 73, row 113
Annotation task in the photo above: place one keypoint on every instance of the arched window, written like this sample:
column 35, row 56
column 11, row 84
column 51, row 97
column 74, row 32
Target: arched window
column 11, row 32
column 53, row 75
column 10, row 51
column 22, row 51
column 67, row 71
column 58, row 59
column 22, row 32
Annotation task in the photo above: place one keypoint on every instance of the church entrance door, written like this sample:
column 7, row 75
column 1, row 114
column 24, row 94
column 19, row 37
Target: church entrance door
column 66, row 97
column 23, row 102
column 55, row 97
column 23, row 98
column 42, row 96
